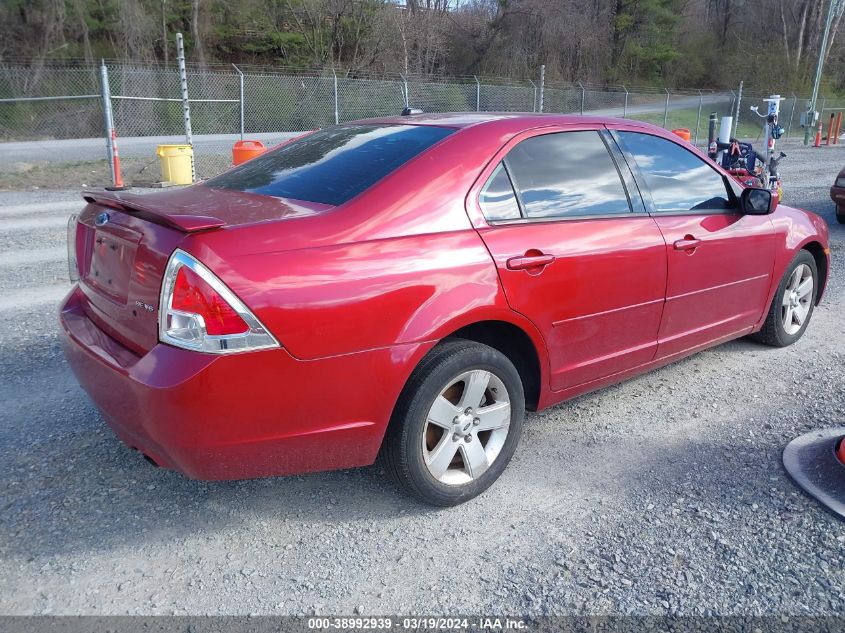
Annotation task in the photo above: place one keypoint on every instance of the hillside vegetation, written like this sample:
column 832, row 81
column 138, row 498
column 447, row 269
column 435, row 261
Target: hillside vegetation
column 680, row 43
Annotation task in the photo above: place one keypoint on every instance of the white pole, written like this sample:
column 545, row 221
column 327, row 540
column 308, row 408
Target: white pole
column 738, row 102
column 186, row 104
column 336, row 108
column 725, row 128
column 542, row 85
column 108, row 118
column 241, row 77
column 834, row 4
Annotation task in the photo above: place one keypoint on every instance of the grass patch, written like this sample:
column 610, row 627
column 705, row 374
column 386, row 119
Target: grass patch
column 748, row 129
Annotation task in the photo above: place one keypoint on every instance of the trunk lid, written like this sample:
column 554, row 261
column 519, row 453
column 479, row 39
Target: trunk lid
column 202, row 208
column 124, row 240
column 121, row 263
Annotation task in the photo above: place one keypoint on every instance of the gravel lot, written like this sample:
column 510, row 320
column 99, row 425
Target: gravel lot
column 662, row 495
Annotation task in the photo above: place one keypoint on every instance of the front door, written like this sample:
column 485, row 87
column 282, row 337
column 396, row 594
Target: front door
column 720, row 261
column 572, row 254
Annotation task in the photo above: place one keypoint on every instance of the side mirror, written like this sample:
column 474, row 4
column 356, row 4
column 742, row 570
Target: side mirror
column 756, row 201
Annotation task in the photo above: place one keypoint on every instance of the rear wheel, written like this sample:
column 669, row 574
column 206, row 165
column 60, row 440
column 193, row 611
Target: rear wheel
column 793, row 303
column 456, row 425
column 840, row 214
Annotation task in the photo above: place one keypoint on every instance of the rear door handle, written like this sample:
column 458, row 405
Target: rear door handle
column 687, row 244
column 527, row 262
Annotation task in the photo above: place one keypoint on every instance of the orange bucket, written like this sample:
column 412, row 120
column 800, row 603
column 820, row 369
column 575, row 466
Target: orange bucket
column 242, row 151
column 683, row 132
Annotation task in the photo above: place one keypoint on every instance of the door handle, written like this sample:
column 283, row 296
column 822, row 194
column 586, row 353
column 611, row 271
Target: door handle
column 527, row 262
column 689, row 243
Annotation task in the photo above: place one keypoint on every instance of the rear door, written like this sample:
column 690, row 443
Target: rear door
column 720, row 261
column 573, row 254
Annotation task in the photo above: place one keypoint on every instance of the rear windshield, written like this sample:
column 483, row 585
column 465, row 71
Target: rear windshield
column 333, row 165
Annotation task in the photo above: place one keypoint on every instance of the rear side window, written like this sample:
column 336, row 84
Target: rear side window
column 566, row 174
column 497, row 198
column 678, row 179
column 333, row 165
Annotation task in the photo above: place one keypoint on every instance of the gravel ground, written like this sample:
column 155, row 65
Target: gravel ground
column 662, row 495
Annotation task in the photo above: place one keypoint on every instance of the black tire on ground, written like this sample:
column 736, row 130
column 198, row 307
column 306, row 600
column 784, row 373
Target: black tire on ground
column 773, row 332
column 840, row 214
column 402, row 451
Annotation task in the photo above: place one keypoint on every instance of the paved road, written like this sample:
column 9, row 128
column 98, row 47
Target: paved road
column 87, row 149
column 661, row 495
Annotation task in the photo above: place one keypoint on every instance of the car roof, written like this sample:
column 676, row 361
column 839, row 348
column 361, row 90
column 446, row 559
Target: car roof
column 524, row 120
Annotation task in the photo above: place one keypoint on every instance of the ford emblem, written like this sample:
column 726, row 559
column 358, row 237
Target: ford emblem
column 102, row 219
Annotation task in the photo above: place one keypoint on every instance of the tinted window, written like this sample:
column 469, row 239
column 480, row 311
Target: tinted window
column 497, row 198
column 678, row 179
column 566, row 174
column 332, row 165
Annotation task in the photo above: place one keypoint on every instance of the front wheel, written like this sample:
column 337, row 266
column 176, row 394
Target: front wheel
column 840, row 214
column 456, row 424
column 793, row 303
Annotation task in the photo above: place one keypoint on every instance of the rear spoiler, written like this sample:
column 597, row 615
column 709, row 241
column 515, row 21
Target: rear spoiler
column 179, row 221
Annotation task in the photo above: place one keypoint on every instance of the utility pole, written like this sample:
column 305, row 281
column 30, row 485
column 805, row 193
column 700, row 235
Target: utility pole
column 835, row 7
column 164, row 31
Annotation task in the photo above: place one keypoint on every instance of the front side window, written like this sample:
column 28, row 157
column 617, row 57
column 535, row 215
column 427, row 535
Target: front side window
column 678, row 179
column 497, row 199
column 333, row 165
column 566, row 174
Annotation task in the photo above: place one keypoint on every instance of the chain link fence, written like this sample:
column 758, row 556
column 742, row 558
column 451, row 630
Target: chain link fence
column 40, row 102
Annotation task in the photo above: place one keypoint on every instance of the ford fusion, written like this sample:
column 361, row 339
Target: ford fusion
column 405, row 288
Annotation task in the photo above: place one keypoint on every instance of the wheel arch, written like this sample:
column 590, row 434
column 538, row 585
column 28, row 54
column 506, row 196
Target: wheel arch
column 516, row 345
column 506, row 331
column 822, row 264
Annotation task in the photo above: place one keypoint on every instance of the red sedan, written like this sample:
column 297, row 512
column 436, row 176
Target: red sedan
column 408, row 287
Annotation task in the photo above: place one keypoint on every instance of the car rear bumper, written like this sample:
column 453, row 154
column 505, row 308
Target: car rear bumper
column 253, row 414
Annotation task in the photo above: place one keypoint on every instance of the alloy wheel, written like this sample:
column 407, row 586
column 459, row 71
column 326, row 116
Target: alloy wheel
column 797, row 299
column 466, row 427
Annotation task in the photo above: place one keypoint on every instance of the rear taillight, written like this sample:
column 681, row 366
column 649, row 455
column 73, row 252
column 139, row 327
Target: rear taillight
column 72, row 265
column 198, row 312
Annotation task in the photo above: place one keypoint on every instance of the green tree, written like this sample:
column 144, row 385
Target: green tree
column 644, row 40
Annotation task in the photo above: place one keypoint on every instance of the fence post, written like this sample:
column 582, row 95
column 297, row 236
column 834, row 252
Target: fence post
column 336, row 106
column 477, row 94
column 108, row 120
column 791, row 114
column 241, row 78
column 542, row 85
column 698, row 118
column 666, row 110
column 625, row 106
column 534, row 103
column 405, row 91
column 186, row 105
column 738, row 105
column 583, row 93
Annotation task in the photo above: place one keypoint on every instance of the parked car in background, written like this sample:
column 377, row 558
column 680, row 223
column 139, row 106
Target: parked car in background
column 837, row 194
column 409, row 286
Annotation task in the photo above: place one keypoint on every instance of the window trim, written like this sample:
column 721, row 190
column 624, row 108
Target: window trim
column 525, row 219
column 487, row 182
column 645, row 190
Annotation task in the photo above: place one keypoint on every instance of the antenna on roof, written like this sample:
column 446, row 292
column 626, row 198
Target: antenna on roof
column 409, row 111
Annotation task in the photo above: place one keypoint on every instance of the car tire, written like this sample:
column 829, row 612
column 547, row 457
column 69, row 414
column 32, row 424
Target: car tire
column 840, row 214
column 791, row 300
column 438, row 447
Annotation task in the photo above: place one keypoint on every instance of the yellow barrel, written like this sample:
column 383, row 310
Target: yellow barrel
column 176, row 163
